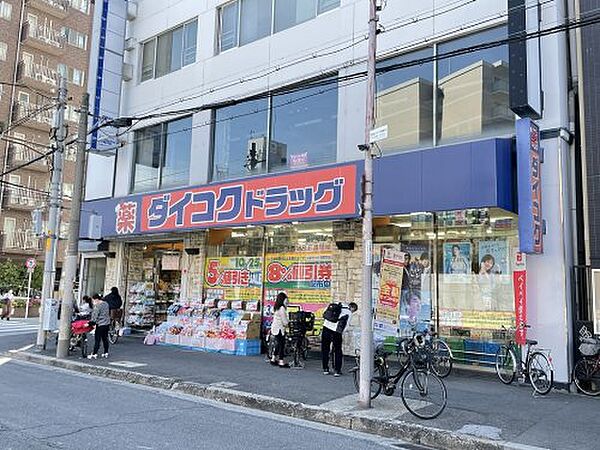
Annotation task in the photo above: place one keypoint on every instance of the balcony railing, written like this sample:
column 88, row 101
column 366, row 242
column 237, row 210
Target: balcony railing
column 41, row 73
column 22, row 154
column 43, row 37
column 60, row 6
column 33, row 112
column 19, row 197
column 20, row 240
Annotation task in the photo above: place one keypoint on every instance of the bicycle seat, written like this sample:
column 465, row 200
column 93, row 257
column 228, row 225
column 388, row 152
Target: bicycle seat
column 531, row 342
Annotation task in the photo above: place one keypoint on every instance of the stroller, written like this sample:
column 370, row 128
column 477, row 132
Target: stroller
column 80, row 327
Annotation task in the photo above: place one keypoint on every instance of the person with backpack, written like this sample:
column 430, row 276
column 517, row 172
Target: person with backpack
column 336, row 318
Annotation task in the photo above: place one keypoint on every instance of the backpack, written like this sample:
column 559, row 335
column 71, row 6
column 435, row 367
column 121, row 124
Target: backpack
column 332, row 313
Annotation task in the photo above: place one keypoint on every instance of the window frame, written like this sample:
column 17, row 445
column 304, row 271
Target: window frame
column 3, row 51
column 5, row 10
column 164, row 126
column 219, row 28
column 154, row 39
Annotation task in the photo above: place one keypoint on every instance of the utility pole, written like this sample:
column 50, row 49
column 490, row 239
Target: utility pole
column 71, row 262
column 366, row 315
column 51, row 233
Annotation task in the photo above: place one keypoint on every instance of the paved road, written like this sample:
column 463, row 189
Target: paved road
column 57, row 409
column 17, row 333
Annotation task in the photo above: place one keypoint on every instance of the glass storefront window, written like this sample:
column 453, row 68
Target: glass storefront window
column 303, row 133
column 162, row 155
column 473, row 88
column 405, row 102
column 304, row 129
column 240, row 140
column 457, row 276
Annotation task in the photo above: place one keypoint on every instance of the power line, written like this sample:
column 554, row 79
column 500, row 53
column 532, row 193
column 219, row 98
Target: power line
column 24, row 86
column 358, row 77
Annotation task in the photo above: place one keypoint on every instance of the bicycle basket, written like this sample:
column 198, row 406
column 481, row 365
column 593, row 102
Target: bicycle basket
column 302, row 320
column 420, row 357
column 589, row 347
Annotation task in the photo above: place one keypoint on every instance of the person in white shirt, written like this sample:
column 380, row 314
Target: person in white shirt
column 7, row 300
column 280, row 322
column 332, row 335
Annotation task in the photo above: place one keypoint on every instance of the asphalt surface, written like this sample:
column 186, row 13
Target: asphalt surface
column 44, row 408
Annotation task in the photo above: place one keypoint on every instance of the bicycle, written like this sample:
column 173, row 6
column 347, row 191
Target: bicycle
column 114, row 330
column 586, row 373
column 422, row 391
column 296, row 342
column 442, row 359
column 537, row 367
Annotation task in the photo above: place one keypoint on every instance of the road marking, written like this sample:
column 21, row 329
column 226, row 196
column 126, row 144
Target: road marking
column 224, row 384
column 22, row 349
column 127, row 364
column 4, row 360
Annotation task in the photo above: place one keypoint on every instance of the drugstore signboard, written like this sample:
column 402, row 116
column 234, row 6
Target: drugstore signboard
column 327, row 193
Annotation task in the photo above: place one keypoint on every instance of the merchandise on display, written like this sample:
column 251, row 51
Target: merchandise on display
column 142, row 305
column 210, row 326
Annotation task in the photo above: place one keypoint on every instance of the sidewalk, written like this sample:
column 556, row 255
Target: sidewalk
column 478, row 404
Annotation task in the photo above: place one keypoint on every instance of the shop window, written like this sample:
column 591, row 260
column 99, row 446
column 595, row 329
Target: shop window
column 169, row 51
column 304, row 129
column 473, row 88
column 162, row 156
column 405, row 102
column 303, row 133
column 240, row 140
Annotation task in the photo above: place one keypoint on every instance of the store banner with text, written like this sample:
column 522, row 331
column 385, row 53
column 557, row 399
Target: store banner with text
column 520, row 287
column 312, row 194
column 387, row 307
column 233, row 278
column 304, row 276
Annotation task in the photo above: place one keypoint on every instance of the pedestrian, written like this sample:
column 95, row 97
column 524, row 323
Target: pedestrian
column 115, row 302
column 101, row 320
column 336, row 318
column 280, row 321
column 87, row 306
column 7, row 300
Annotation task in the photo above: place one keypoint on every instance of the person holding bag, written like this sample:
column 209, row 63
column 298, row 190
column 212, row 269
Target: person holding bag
column 280, row 322
column 335, row 320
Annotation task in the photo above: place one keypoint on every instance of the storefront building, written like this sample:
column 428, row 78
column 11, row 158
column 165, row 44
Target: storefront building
column 248, row 197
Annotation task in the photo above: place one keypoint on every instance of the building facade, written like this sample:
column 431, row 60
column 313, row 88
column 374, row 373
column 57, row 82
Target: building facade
column 241, row 173
column 39, row 41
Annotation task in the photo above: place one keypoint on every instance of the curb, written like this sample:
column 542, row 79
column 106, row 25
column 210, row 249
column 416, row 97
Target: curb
column 415, row 433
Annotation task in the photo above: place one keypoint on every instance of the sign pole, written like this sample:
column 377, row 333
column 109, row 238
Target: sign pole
column 30, row 271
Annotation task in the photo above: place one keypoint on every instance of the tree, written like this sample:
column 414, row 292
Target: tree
column 12, row 276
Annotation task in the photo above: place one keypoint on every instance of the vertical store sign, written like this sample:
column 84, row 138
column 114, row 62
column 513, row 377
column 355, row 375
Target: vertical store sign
column 529, row 178
column 520, row 288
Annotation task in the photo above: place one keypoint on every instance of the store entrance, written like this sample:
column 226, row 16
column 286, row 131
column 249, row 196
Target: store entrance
column 154, row 282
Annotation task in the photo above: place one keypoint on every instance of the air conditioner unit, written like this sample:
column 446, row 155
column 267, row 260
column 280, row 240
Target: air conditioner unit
column 132, row 10
column 127, row 72
column 130, row 43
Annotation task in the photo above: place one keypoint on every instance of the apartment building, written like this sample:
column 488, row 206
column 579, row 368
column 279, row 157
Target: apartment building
column 246, row 163
column 40, row 40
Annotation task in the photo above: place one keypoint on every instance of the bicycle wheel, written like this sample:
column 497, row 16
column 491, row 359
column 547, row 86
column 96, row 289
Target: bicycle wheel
column 378, row 377
column 423, row 394
column 113, row 335
column 540, row 372
column 441, row 358
column 84, row 343
column 586, row 376
column 506, row 364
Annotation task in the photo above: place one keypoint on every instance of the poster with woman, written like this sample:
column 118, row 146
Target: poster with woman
column 457, row 260
column 493, row 256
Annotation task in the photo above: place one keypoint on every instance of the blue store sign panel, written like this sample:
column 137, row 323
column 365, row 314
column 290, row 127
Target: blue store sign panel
column 529, row 179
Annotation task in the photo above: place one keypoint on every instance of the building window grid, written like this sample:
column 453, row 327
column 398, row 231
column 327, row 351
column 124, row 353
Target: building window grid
column 5, row 10
column 318, row 10
column 148, row 69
